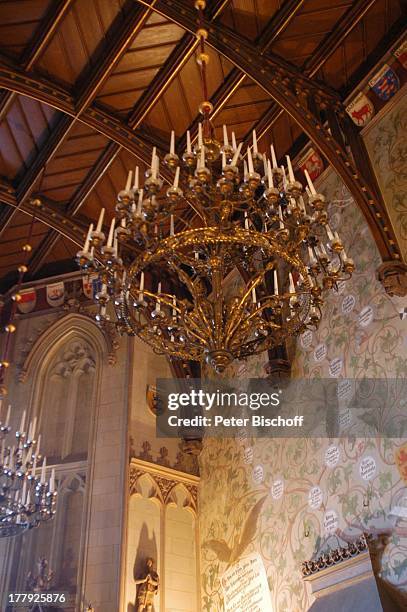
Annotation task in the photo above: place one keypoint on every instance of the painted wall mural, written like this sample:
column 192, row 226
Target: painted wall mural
column 314, row 493
column 386, row 143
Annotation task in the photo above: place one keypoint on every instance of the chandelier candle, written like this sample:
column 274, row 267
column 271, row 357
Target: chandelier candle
column 249, row 217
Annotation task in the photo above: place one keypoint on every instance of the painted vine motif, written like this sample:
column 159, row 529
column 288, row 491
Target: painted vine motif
column 312, row 501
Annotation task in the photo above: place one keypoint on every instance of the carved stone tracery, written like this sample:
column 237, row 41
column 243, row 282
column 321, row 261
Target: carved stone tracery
column 166, row 483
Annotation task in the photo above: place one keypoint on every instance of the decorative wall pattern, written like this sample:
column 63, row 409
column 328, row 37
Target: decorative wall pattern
column 315, row 499
column 386, row 143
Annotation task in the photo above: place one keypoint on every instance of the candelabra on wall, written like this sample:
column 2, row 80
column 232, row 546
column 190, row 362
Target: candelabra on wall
column 27, row 497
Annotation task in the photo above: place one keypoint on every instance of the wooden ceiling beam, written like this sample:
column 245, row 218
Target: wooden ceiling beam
column 335, row 38
column 162, row 80
column 125, row 26
column 323, row 52
column 39, row 42
column 277, row 24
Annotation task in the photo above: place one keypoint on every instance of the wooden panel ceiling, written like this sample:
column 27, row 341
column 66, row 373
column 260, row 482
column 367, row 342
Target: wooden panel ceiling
column 139, row 68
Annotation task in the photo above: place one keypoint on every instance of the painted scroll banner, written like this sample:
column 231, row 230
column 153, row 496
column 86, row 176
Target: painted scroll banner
column 245, row 586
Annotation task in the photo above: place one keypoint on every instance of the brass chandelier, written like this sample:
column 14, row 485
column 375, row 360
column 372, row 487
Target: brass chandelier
column 249, row 214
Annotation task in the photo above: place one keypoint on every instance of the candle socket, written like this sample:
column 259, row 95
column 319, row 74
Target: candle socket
column 124, row 197
column 97, row 238
column 84, row 260
column 271, row 195
column 189, row 159
column 171, row 160
column 153, row 185
column 317, row 201
column 253, row 180
column 224, row 185
column 294, row 189
column 174, row 194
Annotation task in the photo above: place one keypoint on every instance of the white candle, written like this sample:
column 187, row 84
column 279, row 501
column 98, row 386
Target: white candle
column 225, row 136
column 284, row 177
column 3, row 442
column 275, row 282
column 152, row 169
column 176, row 178
column 310, row 183
column 196, row 255
column 311, row 256
column 329, row 232
column 33, row 428
column 172, row 143
column 174, row 303
column 273, row 156
column 172, row 225
column 302, row 205
column 28, row 500
column 236, row 155
column 44, row 465
column 136, row 179
column 156, row 166
column 264, row 166
column 246, row 221
column 158, row 305
column 111, row 232
column 23, row 493
column 200, row 141
column 280, row 214
column 270, row 175
column 52, row 481
column 292, row 286
column 202, row 161
column 189, row 148
column 245, row 172
column 140, row 203
column 250, row 160
column 255, row 149
column 87, row 240
column 142, row 282
column 254, row 298
column 22, row 423
column 128, row 183
column 234, row 145
column 100, row 220
column 8, row 416
column 290, row 169
column 123, row 222
column 38, row 445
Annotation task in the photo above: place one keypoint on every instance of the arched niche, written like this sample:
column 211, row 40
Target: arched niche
column 180, row 548
column 64, row 367
column 144, row 527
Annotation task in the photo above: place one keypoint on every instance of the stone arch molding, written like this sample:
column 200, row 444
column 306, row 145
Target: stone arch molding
column 86, row 344
column 166, row 486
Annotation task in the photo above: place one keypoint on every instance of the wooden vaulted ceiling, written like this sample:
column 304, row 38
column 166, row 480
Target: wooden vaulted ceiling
column 91, row 86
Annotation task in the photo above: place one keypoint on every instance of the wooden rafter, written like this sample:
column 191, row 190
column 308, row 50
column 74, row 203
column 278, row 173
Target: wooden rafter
column 277, row 24
column 40, row 40
column 106, row 56
column 335, row 38
column 323, row 52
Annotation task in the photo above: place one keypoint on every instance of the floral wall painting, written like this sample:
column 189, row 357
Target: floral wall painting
column 387, row 146
column 315, row 493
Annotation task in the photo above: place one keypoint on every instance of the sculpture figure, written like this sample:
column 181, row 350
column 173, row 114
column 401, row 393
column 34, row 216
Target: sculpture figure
column 147, row 587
